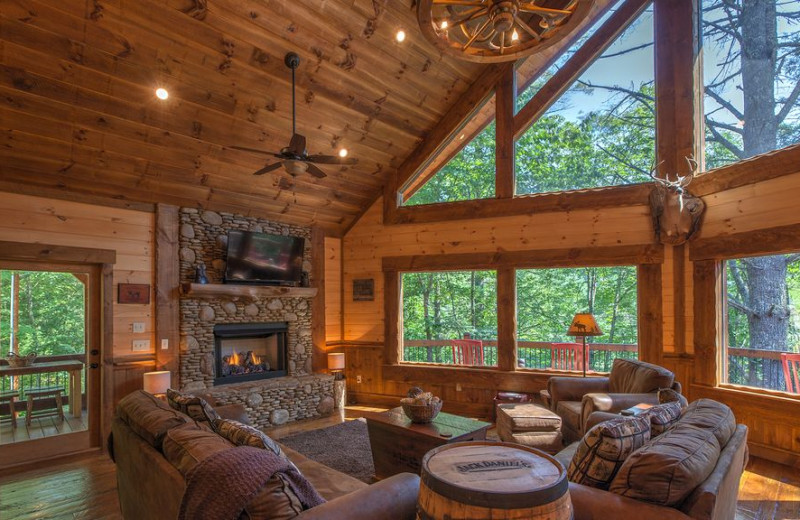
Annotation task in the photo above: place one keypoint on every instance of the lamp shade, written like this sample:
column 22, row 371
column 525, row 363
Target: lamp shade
column 157, row 382
column 336, row 361
column 584, row 324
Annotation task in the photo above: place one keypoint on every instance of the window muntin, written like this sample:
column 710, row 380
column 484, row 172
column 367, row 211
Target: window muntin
column 547, row 299
column 761, row 319
column 442, row 306
column 601, row 131
column 751, row 105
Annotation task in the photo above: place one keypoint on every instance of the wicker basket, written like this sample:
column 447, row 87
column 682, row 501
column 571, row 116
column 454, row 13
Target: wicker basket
column 422, row 413
column 17, row 361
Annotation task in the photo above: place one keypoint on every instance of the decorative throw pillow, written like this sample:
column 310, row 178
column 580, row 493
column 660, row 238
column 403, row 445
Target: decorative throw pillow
column 662, row 417
column 244, row 435
column 195, row 407
column 668, row 395
column 604, row 448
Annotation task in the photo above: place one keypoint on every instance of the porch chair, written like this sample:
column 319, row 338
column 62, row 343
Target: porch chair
column 791, row 372
column 467, row 352
column 567, row 356
column 44, row 392
column 11, row 396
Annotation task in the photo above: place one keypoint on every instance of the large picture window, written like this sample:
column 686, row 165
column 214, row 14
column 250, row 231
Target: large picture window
column 450, row 317
column 751, row 52
column 761, row 296
column 547, row 299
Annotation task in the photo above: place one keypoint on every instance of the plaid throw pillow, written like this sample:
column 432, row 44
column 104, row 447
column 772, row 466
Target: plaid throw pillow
column 668, row 395
column 244, row 435
column 604, row 448
column 662, row 417
column 195, row 407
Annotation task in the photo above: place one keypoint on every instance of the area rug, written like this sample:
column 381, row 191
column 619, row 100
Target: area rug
column 344, row 447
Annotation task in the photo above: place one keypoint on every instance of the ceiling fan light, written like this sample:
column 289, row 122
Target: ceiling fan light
column 295, row 167
column 343, row 153
column 515, row 36
column 400, row 36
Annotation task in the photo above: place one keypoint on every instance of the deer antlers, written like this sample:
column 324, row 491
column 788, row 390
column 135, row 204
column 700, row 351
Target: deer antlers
column 680, row 181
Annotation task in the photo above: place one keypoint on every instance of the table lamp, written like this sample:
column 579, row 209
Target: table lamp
column 584, row 324
column 157, row 383
column 336, row 364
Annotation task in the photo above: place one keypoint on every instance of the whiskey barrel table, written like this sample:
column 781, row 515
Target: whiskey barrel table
column 491, row 480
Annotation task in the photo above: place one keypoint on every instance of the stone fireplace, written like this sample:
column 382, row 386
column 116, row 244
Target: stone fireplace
column 249, row 352
column 288, row 390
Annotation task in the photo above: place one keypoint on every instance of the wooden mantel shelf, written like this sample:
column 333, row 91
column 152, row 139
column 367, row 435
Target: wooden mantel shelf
column 216, row 290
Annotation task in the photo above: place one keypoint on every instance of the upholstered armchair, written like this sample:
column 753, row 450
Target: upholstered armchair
column 630, row 382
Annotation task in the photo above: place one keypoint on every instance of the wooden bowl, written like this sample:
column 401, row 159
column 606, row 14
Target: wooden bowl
column 422, row 413
column 16, row 361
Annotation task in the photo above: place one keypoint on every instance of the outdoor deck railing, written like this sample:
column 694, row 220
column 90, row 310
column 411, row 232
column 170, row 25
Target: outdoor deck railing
column 43, row 379
column 749, row 367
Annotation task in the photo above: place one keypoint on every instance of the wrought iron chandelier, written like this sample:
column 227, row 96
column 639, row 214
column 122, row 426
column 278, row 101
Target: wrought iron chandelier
column 498, row 30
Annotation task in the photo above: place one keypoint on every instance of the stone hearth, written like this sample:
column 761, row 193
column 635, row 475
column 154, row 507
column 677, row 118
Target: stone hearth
column 299, row 395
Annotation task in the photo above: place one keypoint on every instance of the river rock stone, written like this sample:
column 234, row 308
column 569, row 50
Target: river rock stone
column 307, row 389
column 187, row 231
column 222, row 241
column 189, row 343
column 251, row 309
column 290, row 316
column 229, row 308
column 325, row 406
column 207, row 313
column 278, row 417
column 194, row 386
column 309, row 365
column 300, row 349
column 207, row 364
column 187, row 255
column 275, row 305
column 302, row 305
column 209, row 217
column 258, row 228
column 254, row 400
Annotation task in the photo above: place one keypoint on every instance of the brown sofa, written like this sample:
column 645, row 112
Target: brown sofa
column 706, row 441
column 630, row 382
column 150, row 486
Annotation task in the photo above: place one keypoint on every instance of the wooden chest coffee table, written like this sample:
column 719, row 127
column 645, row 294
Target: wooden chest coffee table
column 398, row 445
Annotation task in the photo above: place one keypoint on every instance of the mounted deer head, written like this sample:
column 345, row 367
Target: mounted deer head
column 676, row 212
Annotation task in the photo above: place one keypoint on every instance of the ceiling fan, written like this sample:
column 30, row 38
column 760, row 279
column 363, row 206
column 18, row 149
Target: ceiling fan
column 294, row 158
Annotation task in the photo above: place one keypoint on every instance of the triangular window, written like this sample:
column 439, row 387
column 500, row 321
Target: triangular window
column 600, row 131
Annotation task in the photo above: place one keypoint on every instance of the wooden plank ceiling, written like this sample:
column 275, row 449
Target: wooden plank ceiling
column 81, row 120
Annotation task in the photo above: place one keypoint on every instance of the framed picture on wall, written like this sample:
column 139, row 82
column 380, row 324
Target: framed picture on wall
column 133, row 293
column 364, row 290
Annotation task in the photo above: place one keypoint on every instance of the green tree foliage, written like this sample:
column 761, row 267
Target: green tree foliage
column 51, row 313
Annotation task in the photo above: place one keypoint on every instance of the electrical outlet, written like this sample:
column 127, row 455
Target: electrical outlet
column 141, row 345
column 138, row 327
column 358, row 379
column 458, row 387
column 165, row 344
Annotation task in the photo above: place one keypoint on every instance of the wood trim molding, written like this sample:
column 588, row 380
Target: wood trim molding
column 167, row 290
column 650, row 313
column 595, row 198
column 771, row 165
column 583, row 257
column 51, row 253
column 319, row 358
column 775, row 240
column 579, row 62
column 507, row 319
column 393, row 317
column 707, row 281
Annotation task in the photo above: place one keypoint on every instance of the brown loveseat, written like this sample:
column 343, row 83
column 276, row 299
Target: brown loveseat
column 630, row 382
column 691, row 471
column 150, row 487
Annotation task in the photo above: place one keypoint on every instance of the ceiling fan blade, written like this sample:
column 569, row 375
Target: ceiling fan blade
column 316, row 172
column 253, row 150
column 268, row 168
column 297, row 145
column 331, row 159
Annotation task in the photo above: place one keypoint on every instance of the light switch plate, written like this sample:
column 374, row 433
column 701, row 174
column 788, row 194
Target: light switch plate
column 138, row 327
column 165, row 344
column 141, row 345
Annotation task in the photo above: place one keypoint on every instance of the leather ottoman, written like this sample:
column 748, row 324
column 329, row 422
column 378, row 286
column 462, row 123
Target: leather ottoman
column 529, row 424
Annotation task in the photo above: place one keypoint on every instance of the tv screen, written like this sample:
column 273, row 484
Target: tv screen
column 262, row 258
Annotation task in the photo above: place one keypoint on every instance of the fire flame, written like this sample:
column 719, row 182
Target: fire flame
column 256, row 359
column 233, row 359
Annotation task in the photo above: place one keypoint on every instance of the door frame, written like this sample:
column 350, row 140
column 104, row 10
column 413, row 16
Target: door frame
column 98, row 263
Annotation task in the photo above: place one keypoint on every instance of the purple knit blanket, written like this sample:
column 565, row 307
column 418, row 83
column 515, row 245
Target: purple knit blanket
column 220, row 487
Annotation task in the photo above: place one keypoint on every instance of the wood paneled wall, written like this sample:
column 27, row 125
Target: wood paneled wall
column 130, row 233
column 333, row 289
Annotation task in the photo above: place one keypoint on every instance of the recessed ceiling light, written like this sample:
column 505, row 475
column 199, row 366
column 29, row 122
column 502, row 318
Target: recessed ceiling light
column 514, row 36
column 161, row 93
column 462, row 136
column 443, row 25
column 343, row 152
column 401, row 35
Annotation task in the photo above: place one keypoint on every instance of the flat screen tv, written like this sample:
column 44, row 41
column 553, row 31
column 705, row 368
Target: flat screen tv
column 260, row 258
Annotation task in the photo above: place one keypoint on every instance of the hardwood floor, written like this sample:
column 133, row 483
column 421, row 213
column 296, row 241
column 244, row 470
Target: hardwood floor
column 86, row 489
